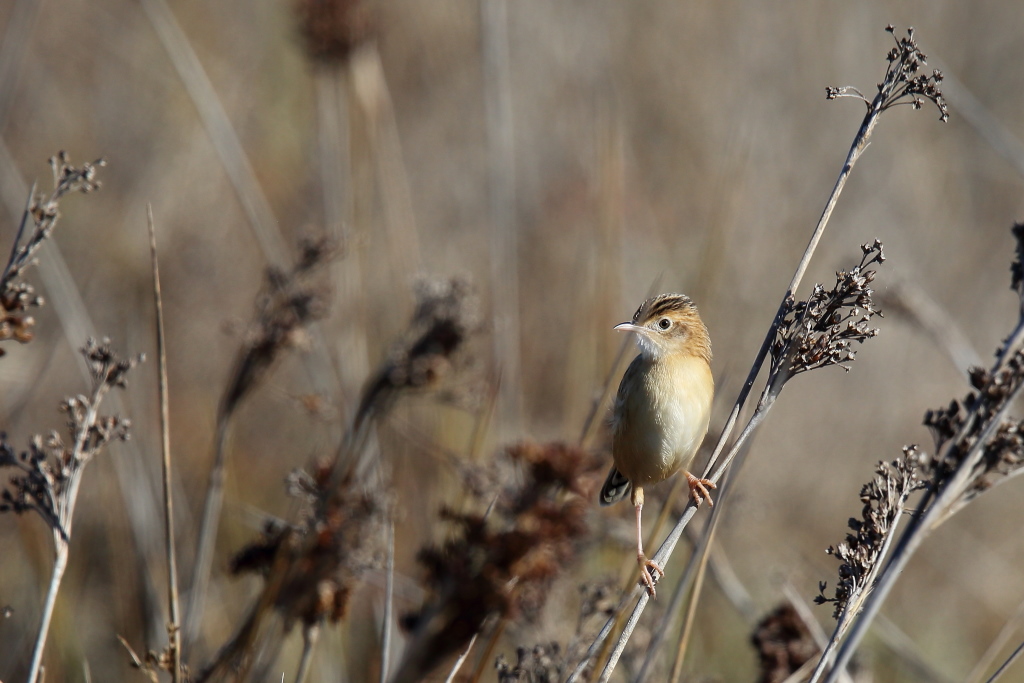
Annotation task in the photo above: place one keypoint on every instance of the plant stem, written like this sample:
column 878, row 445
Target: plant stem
column 174, row 628
column 60, row 563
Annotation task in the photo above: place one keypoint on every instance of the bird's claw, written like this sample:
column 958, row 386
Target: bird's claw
column 646, row 578
column 699, row 489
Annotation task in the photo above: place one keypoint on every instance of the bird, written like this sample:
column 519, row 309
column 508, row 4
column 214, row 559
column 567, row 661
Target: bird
column 661, row 410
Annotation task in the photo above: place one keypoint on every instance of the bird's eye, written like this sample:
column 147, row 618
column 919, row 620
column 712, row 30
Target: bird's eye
column 664, row 323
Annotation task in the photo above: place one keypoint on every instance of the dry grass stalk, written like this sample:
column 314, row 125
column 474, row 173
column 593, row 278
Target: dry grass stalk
column 47, row 477
column 173, row 604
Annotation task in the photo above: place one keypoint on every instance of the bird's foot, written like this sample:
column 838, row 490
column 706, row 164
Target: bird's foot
column 646, row 578
column 699, row 489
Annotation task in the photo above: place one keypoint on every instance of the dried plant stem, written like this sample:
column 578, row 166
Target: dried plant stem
column 675, row 605
column 599, row 640
column 1007, row 664
column 502, row 203
column 207, row 538
column 461, row 659
column 374, row 97
column 389, row 605
column 65, row 508
column 18, row 34
column 218, row 126
column 933, row 514
column 60, row 563
column 852, row 609
column 691, row 607
column 332, row 146
column 174, row 627
column 310, row 636
column 485, row 656
column 860, row 143
column 1008, row 629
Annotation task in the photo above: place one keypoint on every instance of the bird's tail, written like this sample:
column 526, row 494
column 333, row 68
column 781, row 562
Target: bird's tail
column 615, row 488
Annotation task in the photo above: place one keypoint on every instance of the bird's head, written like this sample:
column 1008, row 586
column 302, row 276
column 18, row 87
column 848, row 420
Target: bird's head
column 667, row 325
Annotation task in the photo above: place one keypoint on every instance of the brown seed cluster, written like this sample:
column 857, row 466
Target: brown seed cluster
column 783, row 644
column 821, row 330
column 541, row 664
column 884, row 499
column 957, row 428
column 446, row 315
column 313, row 565
column 289, row 302
column 18, row 297
column 333, row 29
column 44, row 474
column 903, row 83
column 502, row 562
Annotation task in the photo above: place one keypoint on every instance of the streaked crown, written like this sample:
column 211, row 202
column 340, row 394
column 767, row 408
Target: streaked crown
column 670, row 323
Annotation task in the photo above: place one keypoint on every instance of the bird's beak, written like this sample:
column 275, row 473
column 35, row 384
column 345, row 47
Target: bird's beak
column 630, row 327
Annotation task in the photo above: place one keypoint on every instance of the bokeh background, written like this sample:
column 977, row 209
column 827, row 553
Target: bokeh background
column 566, row 157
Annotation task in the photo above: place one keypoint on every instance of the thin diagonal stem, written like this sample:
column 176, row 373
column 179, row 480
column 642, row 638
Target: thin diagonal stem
column 1007, row 664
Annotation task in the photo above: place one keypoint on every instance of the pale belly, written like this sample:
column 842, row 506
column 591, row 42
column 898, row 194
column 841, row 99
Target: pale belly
column 657, row 432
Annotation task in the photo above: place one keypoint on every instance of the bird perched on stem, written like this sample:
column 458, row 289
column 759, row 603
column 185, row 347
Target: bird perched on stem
column 662, row 408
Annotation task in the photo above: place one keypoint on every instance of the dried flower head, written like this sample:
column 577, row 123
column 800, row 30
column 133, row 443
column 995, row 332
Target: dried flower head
column 321, row 557
column 17, row 297
column 446, row 315
column 289, row 302
column 820, row 331
column 541, row 664
column 501, row 563
column 903, row 82
column 860, row 555
column 957, row 428
column 47, row 474
column 783, row 644
column 333, row 29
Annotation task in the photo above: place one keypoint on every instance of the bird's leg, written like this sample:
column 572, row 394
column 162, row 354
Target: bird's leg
column 699, row 489
column 646, row 565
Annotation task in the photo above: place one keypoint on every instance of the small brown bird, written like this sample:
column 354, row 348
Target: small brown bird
column 662, row 409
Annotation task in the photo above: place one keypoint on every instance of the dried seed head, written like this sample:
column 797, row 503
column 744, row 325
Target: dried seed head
column 501, row 563
column 884, row 499
column 903, row 82
column 783, row 643
column 37, row 224
column 44, row 472
column 821, row 330
column 446, row 316
column 333, row 29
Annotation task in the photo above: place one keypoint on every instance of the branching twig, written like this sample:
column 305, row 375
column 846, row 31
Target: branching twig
column 48, row 475
column 38, row 221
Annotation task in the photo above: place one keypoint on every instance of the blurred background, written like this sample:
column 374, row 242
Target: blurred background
column 566, row 158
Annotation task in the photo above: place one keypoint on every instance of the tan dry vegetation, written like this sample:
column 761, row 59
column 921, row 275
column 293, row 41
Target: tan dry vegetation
column 684, row 141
